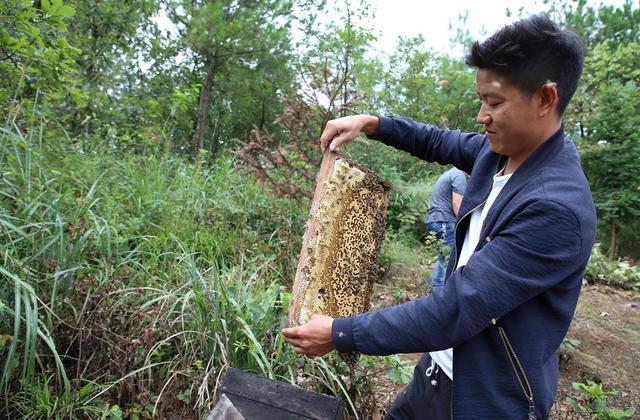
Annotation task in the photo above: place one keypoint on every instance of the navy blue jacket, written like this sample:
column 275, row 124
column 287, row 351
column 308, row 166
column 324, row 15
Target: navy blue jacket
column 512, row 303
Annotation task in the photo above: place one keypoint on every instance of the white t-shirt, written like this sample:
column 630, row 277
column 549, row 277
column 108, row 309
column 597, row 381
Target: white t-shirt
column 444, row 358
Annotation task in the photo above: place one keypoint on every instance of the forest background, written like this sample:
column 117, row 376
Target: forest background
column 154, row 185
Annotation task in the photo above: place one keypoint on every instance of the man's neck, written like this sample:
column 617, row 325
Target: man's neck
column 514, row 162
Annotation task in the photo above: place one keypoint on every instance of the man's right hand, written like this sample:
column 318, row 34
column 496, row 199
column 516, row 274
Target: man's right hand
column 343, row 130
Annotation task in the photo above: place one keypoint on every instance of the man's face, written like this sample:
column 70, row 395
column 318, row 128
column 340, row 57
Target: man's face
column 510, row 118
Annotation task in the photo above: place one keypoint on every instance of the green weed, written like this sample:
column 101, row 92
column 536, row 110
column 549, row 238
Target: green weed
column 593, row 402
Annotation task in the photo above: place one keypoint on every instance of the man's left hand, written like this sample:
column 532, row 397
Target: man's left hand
column 313, row 338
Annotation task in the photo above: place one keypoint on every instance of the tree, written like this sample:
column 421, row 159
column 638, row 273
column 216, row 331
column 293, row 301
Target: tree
column 603, row 116
column 429, row 87
column 110, row 37
column 229, row 44
column 600, row 24
column 36, row 58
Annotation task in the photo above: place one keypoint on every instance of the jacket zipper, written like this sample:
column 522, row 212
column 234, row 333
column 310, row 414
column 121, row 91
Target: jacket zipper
column 457, row 256
column 455, row 231
column 518, row 370
column 451, row 403
column 455, row 249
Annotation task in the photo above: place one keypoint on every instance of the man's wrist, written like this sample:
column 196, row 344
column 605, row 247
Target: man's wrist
column 342, row 334
column 370, row 125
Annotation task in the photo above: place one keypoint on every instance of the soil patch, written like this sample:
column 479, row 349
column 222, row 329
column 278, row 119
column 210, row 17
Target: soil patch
column 607, row 329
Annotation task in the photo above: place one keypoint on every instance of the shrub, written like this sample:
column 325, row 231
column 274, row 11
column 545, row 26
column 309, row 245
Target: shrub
column 619, row 273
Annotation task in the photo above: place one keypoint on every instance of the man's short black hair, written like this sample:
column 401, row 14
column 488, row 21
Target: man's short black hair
column 532, row 52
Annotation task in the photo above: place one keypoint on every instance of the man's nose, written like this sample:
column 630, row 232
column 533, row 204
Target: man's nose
column 483, row 116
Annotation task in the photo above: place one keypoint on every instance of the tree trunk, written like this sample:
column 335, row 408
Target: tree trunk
column 263, row 115
column 613, row 250
column 213, row 146
column 203, row 107
column 347, row 54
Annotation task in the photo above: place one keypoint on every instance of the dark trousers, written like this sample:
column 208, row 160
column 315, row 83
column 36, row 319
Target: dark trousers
column 425, row 397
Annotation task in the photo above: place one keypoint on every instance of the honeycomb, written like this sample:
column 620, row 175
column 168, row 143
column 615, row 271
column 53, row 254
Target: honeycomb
column 341, row 246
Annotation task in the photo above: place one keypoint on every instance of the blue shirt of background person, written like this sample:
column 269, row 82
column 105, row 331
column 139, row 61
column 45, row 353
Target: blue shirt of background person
column 441, row 218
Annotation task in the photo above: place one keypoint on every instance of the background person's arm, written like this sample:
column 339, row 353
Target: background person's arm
column 456, row 200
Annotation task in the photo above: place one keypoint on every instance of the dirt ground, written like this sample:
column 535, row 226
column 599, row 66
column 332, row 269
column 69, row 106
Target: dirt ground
column 607, row 327
column 605, row 333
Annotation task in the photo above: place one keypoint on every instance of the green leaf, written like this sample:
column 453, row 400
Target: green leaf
column 185, row 395
column 35, row 31
column 4, row 339
column 398, row 375
column 575, row 405
column 66, row 11
column 114, row 413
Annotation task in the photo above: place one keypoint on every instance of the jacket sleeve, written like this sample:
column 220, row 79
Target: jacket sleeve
column 430, row 143
column 537, row 250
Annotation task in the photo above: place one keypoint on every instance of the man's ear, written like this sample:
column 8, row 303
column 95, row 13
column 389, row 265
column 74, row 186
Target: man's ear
column 547, row 99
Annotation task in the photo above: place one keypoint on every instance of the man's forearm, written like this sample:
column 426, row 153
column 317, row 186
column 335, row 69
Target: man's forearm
column 428, row 142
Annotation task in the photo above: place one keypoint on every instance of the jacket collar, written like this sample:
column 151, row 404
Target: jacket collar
column 545, row 152
column 488, row 165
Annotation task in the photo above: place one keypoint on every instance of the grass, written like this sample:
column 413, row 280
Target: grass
column 128, row 283
column 124, row 278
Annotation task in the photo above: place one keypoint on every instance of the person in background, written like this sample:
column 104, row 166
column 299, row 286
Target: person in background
column 441, row 217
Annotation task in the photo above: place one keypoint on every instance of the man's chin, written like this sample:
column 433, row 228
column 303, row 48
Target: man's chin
column 495, row 146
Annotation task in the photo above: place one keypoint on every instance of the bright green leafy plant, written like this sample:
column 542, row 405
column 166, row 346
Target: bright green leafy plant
column 593, row 402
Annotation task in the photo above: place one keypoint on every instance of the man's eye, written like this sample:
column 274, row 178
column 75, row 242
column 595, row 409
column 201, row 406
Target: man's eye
column 494, row 104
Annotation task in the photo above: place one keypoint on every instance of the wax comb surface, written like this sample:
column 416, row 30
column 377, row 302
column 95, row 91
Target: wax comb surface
column 341, row 245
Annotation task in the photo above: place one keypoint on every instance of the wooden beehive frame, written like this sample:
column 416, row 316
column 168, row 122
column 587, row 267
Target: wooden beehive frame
column 341, row 246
